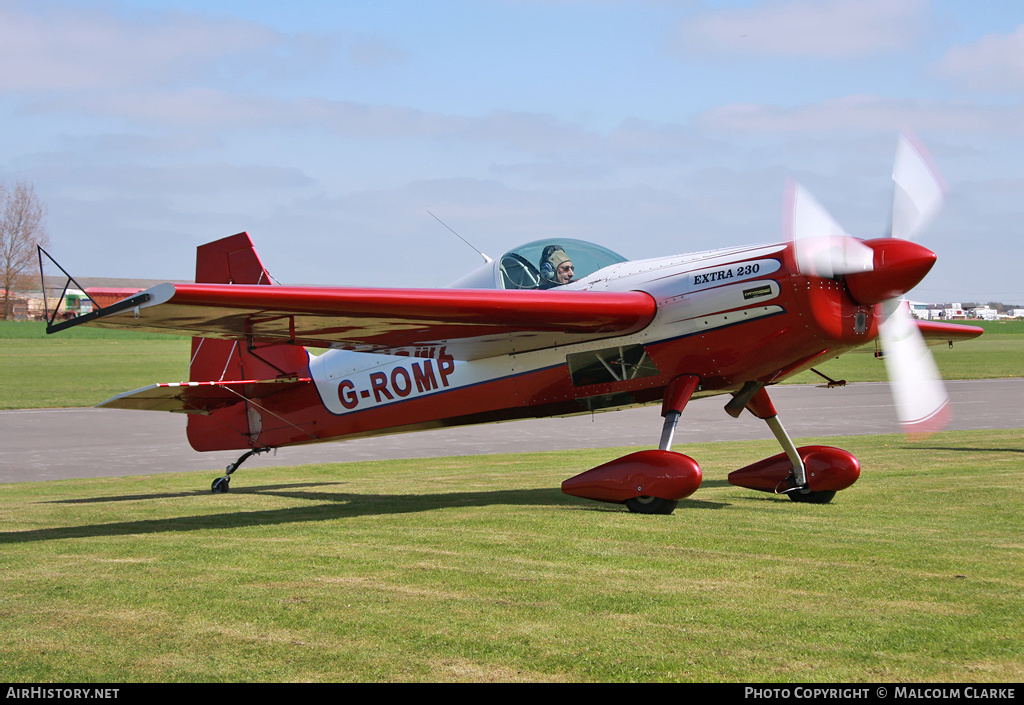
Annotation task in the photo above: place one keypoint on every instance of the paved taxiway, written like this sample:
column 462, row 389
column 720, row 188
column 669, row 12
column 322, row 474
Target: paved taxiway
column 49, row 444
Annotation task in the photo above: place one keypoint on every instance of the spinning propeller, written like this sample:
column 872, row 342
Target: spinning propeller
column 879, row 272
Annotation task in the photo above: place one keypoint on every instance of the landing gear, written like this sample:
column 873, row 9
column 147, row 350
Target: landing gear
column 650, row 505
column 805, row 494
column 653, row 481
column 809, row 474
column 648, row 481
column 811, row 497
column 222, row 484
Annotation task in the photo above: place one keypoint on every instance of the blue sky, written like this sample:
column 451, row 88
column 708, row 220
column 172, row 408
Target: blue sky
column 327, row 130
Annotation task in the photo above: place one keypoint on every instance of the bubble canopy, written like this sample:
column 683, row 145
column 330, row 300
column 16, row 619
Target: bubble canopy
column 519, row 268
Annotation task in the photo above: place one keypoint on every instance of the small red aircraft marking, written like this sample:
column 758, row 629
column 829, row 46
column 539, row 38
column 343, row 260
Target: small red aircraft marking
column 509, row 341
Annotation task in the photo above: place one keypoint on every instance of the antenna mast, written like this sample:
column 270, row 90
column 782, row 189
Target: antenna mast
column 486, row 258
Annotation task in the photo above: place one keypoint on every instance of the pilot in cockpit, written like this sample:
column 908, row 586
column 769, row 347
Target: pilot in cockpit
column 555, row 267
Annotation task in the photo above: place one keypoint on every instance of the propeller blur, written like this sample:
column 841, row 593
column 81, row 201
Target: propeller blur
column 882, row 270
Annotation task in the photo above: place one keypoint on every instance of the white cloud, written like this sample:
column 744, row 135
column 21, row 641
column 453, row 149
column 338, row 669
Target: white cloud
column 807, row 28
column 203, row 108
column 868, row 113
column 61, row 48
column 995, row 62
column 213, row 108
column 189, row 179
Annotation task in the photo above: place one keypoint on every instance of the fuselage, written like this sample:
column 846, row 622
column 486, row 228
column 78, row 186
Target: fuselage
column 727, row 316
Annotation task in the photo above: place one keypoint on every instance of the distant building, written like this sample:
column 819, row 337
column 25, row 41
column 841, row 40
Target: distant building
column 930, row 312
column 106, row 295
column 954, row 311
column 984, row 313
column 920, row 310
column 18, row 303
column 75, row 302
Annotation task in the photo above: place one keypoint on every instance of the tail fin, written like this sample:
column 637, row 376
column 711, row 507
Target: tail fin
column 230, row 260
column 233, row 260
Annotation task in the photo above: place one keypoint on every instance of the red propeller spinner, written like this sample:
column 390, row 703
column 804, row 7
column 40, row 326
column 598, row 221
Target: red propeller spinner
column 899, row 265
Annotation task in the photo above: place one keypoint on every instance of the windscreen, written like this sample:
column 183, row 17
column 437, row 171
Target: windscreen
column 524, row 267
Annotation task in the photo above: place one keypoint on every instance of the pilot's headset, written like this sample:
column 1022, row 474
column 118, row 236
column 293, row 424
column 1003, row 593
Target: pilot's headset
column 550, row 258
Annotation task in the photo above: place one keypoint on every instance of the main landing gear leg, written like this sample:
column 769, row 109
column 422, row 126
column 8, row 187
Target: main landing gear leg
column 761, row 406
column 676, row 397
column 221, row 484
column 648, row 481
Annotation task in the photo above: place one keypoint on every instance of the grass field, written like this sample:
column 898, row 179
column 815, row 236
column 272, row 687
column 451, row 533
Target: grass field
column 479, row 569
column 997, row 354
column 84, row 366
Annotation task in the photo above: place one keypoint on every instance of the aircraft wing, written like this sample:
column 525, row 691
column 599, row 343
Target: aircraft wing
column 466, row 323
column 936, row 332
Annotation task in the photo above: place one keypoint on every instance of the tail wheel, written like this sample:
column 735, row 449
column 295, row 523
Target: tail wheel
column 646, row 504
column 221, row 485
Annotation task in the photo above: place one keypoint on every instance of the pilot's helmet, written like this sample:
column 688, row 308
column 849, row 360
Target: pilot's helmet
column 551, row 259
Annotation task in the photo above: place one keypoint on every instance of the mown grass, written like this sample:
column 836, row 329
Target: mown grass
column 36, row 330
column 997, row 354
column 77, row 372
column 479, row 569
column 82, row 366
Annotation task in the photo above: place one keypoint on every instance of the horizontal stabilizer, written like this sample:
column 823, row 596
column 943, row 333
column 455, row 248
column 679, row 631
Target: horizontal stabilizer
column 199, row 397
column 935, row 332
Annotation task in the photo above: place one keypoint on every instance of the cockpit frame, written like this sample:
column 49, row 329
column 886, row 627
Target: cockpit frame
column 520, row 267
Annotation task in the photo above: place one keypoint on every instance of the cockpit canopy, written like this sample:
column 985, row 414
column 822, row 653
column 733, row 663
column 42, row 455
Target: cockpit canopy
column 520, row 268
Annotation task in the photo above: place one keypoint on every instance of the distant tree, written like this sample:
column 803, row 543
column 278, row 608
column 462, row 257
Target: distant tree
column 21, row 229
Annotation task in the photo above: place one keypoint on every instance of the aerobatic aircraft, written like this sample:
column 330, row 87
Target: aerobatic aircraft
column 556, row 328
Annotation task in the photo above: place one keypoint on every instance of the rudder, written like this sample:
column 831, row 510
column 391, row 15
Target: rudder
column 233, row 260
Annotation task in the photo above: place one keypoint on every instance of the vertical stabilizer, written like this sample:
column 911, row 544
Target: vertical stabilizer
column 233, row 260
column 230, row 260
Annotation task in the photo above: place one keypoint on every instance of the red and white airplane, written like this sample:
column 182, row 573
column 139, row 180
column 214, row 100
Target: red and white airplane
column 512, row 341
